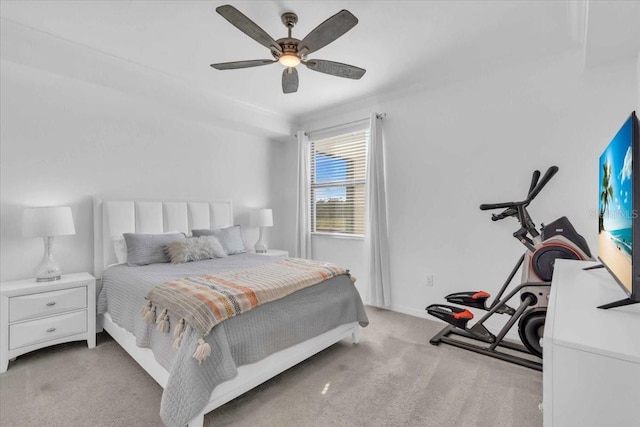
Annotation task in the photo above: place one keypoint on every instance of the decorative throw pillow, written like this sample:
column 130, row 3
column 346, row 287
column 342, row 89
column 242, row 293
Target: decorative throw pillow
column 230, row 238
column 143, row 249
column 194, row 249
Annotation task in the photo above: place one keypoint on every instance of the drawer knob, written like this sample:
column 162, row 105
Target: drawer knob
column 51, row 329
column 51, row 304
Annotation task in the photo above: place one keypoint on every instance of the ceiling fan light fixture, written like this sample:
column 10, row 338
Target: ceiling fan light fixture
column 291, row 52
column 289, row 60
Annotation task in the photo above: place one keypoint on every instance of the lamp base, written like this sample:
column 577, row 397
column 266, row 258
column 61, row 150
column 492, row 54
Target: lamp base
column 48, row 270
column 48, row 279
column 261, row 245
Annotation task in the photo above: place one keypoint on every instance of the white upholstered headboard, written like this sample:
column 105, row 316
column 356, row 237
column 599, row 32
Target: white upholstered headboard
column 112, row 218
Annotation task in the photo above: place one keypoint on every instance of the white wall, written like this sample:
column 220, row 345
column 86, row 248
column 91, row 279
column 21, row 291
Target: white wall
column 68, row 134
column 453, row 147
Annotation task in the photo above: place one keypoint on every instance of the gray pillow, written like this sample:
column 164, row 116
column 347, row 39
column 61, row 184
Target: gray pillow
column 194, row 249
column 143, row 249
column 230, row 238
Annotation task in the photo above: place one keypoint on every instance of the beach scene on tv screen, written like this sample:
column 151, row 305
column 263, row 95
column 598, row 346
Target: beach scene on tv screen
column 615, row 210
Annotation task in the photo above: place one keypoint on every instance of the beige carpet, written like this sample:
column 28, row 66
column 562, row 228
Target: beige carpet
column 394, row 377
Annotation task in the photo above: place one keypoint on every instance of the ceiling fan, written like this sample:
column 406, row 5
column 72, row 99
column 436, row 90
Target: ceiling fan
column 290, row 51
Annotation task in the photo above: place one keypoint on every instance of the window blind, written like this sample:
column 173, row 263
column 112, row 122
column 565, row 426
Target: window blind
column 338, row 172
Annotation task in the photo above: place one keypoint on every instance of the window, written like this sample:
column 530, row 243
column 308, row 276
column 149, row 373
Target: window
column 338, row 172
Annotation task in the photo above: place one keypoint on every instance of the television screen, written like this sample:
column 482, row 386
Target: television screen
column 617, row 210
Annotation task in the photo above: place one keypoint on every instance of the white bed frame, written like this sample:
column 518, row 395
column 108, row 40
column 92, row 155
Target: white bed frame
column 112, row 218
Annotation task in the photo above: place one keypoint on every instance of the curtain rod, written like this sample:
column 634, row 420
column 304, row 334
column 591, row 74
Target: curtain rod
column 378, row 115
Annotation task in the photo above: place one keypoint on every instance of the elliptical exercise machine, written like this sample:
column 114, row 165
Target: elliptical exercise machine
column 556, row 240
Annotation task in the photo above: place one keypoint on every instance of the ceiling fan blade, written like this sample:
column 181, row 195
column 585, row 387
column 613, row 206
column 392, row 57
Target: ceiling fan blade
column 242, row 64
column 289, row 80
column 327, row 32
column 247, row 26
column 335, row 68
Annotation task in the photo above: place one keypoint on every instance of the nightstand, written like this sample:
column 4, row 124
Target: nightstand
column 34, row 314
column 278, row 253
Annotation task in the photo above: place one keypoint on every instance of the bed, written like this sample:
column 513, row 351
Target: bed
column 248, row 349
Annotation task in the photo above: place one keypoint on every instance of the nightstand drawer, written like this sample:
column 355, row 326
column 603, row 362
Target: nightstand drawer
column 276, row 253
column 51, row 328
column 47, row 303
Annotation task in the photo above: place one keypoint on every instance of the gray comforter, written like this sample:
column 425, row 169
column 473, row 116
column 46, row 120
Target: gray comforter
column 238, row 341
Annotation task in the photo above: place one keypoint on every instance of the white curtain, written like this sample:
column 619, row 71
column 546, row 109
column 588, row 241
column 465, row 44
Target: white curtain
column 303, row 218
column 376, row 230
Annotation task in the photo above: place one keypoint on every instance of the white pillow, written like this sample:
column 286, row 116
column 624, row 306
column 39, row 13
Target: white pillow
column 120, row 248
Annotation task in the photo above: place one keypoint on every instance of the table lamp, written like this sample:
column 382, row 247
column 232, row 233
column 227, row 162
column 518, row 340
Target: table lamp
column 262, row 218
column 47, row 222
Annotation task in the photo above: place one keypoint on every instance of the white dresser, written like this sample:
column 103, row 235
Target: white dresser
column 591, row 372
column 34, row 314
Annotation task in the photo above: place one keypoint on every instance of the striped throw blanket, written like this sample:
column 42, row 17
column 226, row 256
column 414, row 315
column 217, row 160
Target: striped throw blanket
column 205, row 301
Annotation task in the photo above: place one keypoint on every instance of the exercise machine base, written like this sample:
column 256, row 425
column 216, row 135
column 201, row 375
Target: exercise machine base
column 447, row 336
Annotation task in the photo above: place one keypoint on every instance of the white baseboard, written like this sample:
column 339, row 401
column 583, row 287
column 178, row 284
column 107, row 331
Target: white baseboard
column 413, row 312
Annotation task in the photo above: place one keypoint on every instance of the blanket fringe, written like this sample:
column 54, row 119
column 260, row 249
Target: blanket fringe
column 179, row 328
column 202, row 352
column 178, row 341
column 150, row 314
column 162, row 313
column 163, row 321
column 351, row 276
column 146, row 308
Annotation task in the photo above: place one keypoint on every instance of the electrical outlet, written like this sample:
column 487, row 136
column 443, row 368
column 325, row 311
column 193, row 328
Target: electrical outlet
column 428, row 280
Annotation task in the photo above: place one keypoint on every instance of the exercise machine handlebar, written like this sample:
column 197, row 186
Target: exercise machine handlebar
column 491, row 206
column 544, row 181
column 534, row 181
column 534, row 189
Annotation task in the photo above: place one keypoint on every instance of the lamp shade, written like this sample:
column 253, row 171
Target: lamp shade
column 47, row 221
column 264, row 218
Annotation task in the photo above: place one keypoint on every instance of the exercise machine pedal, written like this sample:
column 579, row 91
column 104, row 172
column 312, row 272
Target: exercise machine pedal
column 459, row 317
column 477, row 299
column 456, row 316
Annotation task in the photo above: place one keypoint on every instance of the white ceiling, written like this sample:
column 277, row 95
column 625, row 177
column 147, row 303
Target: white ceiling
column 401, row 44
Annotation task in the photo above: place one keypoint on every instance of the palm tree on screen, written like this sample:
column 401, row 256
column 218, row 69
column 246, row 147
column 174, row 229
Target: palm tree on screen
column 606, row 194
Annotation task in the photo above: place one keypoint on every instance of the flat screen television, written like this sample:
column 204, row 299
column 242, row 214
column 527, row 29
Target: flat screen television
column 618, row 208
